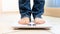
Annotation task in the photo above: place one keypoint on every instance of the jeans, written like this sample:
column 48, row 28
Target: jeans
column 37, row 9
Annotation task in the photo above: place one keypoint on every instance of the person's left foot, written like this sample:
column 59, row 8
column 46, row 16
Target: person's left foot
column 39, row 21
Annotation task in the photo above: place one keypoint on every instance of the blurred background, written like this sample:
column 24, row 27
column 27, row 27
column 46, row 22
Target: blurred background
column 9, row 13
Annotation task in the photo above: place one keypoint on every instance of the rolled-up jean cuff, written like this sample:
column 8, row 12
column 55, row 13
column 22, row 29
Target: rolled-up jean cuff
column 25, row 16
column 38, row 17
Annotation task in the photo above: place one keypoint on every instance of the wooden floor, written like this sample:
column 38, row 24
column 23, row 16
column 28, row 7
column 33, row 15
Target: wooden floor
column 7, row 19
column 52, row 12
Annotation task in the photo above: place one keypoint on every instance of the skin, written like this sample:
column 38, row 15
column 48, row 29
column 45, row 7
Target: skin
column 26, row 20
column 39, row 21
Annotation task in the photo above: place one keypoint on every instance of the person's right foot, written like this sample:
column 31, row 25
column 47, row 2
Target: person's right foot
column 24, row 20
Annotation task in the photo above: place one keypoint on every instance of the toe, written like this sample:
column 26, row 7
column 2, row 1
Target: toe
column 24, row 21
column 39, row 21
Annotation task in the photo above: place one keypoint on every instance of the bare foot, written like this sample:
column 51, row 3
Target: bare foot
column 24, row 20
column 39, row 21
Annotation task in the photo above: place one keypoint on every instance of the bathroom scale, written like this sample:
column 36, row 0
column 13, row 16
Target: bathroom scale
column 32, row 25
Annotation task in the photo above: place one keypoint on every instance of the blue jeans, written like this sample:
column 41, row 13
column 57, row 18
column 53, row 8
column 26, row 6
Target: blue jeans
column 36, row 11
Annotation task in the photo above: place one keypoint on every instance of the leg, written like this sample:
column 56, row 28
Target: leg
column 25, row 10
column 24, row 7
column 38, row 10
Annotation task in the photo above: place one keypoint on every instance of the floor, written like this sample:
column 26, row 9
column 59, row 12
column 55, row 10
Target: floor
column 7, row 19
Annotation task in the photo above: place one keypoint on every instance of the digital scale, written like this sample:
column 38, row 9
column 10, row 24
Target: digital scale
column 32, row 25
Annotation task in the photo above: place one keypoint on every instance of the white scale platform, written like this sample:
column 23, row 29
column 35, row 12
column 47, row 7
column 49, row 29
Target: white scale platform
column 32, row 26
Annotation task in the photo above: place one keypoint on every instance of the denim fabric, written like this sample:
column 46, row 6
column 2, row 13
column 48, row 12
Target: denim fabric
column 36, row 11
